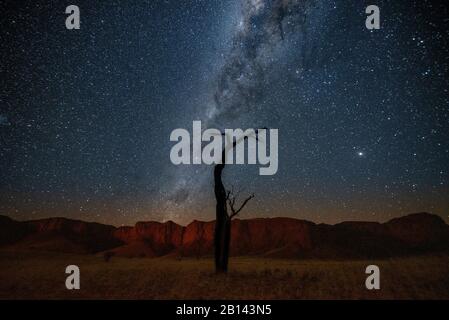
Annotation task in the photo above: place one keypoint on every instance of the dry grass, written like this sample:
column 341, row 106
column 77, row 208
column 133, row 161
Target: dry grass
column 31, row 275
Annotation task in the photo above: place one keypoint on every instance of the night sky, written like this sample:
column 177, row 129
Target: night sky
column 86, row 115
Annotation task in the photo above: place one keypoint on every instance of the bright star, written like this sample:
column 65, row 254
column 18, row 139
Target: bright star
column 360, row 154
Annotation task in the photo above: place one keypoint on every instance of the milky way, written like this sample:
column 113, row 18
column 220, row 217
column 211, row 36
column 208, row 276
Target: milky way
column 86, row 115
column 263, row 35
column 261, row 29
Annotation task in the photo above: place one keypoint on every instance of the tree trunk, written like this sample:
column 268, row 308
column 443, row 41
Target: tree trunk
column 222, row 223
column 222, row 240
column 222, row 234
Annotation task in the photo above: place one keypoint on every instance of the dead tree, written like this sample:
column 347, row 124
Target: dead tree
column 222, row 236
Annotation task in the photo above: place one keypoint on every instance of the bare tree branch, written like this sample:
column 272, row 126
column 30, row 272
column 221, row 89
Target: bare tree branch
column 231, row 199
column 234, row 213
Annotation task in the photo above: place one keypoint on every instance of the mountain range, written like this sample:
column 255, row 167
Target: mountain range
column 414, row 234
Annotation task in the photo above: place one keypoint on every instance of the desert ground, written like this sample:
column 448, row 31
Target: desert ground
column 41, row 275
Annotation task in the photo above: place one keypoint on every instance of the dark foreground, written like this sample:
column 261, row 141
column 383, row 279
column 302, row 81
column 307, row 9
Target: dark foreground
column 39, row 275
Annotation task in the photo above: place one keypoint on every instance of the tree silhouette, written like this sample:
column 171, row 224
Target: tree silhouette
column 225, row 199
